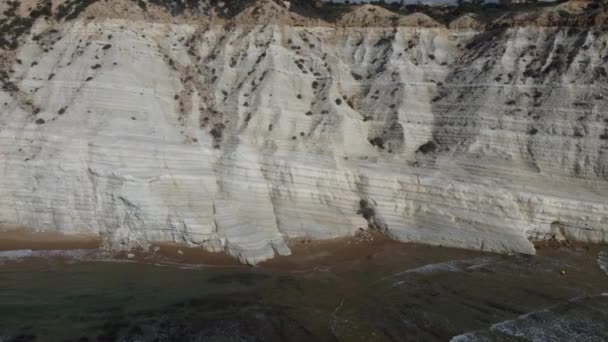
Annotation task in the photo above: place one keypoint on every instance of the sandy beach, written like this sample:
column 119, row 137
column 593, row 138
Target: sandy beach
column 366, row 247
column 24, row 239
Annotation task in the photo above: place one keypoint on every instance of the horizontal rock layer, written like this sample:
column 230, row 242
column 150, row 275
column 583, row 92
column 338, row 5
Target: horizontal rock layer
column 238, row 137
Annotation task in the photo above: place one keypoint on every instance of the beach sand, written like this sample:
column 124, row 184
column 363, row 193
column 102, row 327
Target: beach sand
column 24, row 239
column 365, row 247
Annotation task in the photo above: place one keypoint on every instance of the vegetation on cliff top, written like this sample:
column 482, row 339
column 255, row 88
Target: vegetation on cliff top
column 13, row 24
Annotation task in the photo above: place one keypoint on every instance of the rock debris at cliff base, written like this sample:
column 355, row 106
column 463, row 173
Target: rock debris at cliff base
column 238, row 128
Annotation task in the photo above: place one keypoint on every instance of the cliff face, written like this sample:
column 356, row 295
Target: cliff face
column 238, row 133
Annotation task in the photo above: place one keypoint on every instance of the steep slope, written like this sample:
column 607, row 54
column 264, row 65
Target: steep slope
column 237, row 128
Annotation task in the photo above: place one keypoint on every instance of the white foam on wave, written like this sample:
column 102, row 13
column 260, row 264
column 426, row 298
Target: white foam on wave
column 514, row 327
column 67, row 255
column 16, row 254
column 468, row 337
column 448, row 266
column 539, row 326
column 602, row 261
column 91, row 255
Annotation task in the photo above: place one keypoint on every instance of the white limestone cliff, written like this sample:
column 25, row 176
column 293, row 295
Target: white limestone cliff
column 236, row 136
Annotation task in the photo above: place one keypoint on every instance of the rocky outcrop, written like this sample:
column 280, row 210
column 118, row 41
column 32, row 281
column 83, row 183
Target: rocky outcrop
column 235, row 134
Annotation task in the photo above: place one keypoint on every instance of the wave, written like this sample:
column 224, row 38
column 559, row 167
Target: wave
column 94, row 255
column 447, row 266
column 602, row 261
column 65, row 255
column 16, row 254
column 579, row 319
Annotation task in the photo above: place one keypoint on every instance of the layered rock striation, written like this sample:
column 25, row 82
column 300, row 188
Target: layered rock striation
column 237, row 126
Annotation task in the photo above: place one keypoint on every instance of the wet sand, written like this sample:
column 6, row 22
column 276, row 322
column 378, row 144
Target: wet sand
column 183, row 254
column 367, row 247
column 23, row 239
column 364, row 247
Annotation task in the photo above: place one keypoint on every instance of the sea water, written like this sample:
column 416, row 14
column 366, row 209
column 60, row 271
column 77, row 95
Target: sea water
column 392, row 296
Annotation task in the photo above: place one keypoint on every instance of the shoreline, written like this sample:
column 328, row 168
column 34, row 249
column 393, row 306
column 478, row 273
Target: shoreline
column 306, row 254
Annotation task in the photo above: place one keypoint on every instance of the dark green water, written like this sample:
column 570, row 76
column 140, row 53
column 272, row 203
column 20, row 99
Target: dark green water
column 391, row 296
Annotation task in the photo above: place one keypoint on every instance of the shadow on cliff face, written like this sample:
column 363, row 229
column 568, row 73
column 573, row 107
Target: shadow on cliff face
column 525, row 82
column 367, row 211
column 456, row 108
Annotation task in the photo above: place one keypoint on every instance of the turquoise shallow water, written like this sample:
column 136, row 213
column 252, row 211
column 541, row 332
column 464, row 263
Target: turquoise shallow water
column 396, row 295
